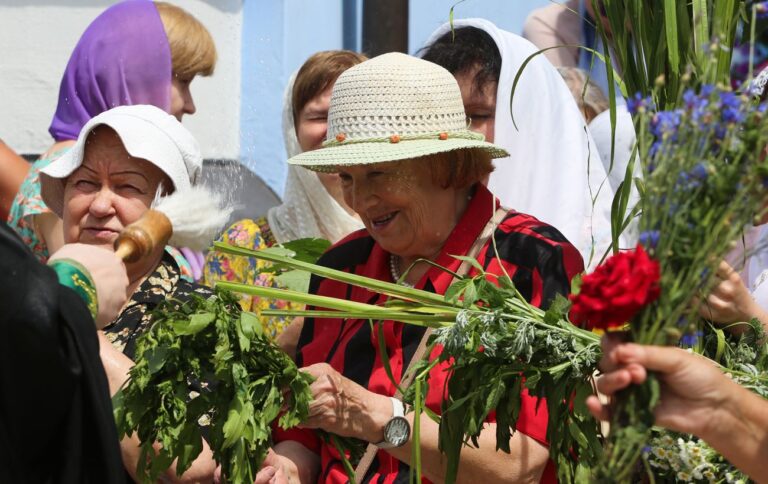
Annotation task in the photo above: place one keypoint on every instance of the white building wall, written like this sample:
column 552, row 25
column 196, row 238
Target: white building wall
column 37, row 37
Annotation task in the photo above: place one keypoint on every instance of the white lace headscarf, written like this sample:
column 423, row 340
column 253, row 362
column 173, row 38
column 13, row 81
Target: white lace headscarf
column 308, row 210
column 554, row 171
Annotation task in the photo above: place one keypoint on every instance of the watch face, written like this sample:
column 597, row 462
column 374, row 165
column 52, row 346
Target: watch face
column 397, row 431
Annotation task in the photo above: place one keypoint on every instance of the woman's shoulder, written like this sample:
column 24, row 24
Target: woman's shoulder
column 249, row 233
column 527, row 241
column 351, row 251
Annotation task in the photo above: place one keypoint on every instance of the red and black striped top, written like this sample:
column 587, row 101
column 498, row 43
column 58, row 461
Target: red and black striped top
column 540, row 261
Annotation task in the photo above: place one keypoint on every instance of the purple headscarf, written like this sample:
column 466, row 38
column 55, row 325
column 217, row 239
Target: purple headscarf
column 122, row 58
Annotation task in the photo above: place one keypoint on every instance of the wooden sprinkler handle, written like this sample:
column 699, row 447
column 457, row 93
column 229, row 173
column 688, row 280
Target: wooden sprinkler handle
column 140, row 238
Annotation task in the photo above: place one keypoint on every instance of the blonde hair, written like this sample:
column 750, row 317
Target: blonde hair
column 193, row 51
column 591, row 101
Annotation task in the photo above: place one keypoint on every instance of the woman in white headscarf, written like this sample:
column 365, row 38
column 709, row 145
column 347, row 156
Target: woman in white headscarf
column 555, row 172
column 312, row 203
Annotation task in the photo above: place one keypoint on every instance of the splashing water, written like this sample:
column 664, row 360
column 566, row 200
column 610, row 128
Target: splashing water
column 197, row 216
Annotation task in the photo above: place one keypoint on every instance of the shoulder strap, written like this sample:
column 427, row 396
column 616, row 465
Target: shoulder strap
column 474, row 251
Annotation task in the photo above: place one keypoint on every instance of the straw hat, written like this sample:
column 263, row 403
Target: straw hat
column 146, row 132
column 393, row 107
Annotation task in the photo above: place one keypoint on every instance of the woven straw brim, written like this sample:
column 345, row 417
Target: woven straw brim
column 362, row 153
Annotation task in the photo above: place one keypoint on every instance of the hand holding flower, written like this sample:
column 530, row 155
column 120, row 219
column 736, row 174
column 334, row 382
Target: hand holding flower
column 693, row 389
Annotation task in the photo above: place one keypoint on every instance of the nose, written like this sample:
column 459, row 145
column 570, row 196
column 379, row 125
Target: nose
column 363, row 197
column 102, row 204
column 189, row 104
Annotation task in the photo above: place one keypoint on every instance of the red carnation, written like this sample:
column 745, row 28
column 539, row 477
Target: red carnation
column 616, row 290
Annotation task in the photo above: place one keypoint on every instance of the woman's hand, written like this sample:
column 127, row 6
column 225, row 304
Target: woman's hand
column 730, row 301
column 692, row 387
column 696, row 398
column 289, row 462
column 108, row 273
column 343, row 407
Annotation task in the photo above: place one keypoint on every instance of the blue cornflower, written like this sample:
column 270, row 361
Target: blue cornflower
column 690, row 339
column 686, row 181
column 639, row 104
column 647, row 449
column 699, row 171
column 707, row 90
column 665, row 123
column 720, row 131
column 731, row 105
column 649, row 239
column 655, row 148
column 762, row 107
column 761, row 9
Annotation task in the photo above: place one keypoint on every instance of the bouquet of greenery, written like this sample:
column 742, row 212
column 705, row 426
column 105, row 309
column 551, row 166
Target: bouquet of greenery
column 704, row 174
column 206, row 368
column 239, row 376
column 497, row 343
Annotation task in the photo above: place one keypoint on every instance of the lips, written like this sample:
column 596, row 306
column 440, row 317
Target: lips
column 383, row 220
column 99, row 234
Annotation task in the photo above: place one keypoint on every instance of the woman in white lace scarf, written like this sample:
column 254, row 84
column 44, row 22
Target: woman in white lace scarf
column 312, row 205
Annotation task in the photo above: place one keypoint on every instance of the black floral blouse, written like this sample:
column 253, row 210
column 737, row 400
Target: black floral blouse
column 135, row 318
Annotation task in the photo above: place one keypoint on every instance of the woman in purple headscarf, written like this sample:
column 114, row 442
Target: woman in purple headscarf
column 135, row 52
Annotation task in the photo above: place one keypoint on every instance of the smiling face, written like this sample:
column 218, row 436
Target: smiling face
column 402, row 207
column 109, row 191
column 479, row 104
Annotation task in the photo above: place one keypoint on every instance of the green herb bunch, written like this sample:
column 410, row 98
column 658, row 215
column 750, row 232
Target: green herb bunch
column 243, row 383
column 498, row 344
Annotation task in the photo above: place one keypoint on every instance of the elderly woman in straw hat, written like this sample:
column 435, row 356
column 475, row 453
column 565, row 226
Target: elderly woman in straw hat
column 410, row 168
column 122, row 158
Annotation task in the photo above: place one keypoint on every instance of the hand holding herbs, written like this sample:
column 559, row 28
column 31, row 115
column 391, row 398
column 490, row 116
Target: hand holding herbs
column 243, row 383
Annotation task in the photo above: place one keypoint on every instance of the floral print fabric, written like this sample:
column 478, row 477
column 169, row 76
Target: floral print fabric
column 256, row 235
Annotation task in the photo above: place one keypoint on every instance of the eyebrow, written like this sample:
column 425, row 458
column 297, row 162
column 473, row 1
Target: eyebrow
column 123, row 172
column 130, row 172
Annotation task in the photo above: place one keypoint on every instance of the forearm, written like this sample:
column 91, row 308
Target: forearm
column 739, row 431
column 525, row 462
column 117, row 367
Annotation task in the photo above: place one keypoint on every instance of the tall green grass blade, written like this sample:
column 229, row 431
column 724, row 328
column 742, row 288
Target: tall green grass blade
column 414, row 319
column 528, row 59
column 701, row 35
column 375, row 285
column 670, row 24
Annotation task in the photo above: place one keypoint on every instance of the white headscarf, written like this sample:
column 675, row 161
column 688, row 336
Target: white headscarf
column 308, row 210
column 624, row 143
column 554, row 172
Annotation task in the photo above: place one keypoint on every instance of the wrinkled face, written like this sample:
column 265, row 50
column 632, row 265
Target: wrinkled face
column 108, row 191
column 402, row 208
column 479, row 104
column 181, row 97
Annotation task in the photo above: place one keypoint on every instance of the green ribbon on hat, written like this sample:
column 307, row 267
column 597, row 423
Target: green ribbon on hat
column 73, row 275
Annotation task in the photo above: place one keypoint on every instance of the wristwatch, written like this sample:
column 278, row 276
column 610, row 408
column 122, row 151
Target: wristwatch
column 398, row 430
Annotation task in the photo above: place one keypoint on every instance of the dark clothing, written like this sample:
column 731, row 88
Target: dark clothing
column 136, row 318
column 56, row 421
column 540, row 261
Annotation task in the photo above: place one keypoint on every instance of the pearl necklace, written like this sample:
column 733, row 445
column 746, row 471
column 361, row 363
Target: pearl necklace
column 395, row 271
